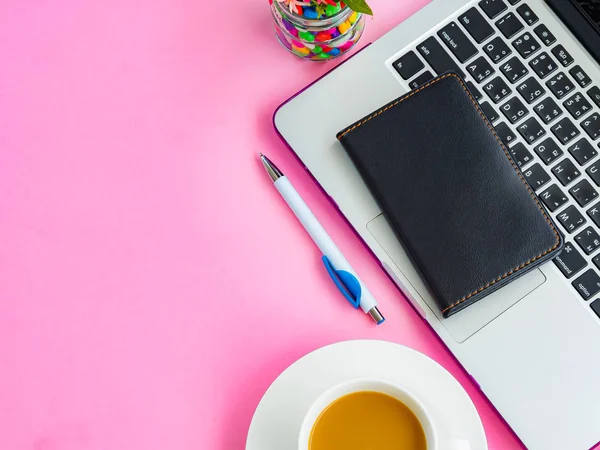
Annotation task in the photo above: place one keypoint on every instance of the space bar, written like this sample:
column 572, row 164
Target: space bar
column 437, row 57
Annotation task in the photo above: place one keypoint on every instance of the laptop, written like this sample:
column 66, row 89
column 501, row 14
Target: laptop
column 532, row 347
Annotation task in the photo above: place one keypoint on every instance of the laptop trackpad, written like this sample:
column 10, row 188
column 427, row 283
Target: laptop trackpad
column 467, row 322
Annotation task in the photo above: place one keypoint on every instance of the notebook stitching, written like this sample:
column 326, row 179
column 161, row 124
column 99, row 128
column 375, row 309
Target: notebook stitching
column 510, row 160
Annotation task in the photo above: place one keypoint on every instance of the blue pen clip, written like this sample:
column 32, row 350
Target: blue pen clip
column 347, row 283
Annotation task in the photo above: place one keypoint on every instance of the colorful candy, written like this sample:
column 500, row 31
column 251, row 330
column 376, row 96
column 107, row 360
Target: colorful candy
column 322, row 37
column 288, row 25
column 301, row 50
column 347, row 46
column 330, row 10
column 306, row 36
column 342, row 28
column 310, row 12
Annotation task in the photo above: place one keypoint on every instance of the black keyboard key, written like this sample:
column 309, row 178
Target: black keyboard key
column 476, row 25
column 531, row 90
column 509, row 25
column 571, row 219
column 536, row 176
column 480, row 69
column 513, row 69
column 513, row 2
column 594, row 94
column 594, row 214
column 436, row 56
column 505, row 133
column 569, row 261
column 545, row 35
column 594, row 172
column 497, row 49
column 526, row 45
column 547, row 110
column 531, row 130
column 587, row 284
column 408, row 65
column 489, row 111
column 583, row 151
column 514, row 110
column 543, row 65
column 577, row 105
column 527, row 14
column 560, row 85
column 553, row 198
column 595, row 305
column 566, row 171
column 493, row 8
column 565, row 131
column 591, row 125
column 548, row 151
column 474, row 90
column 583, row 192
column 421, row 79
column 457, row 42
column 580, row 76
column 520, row 154
column 562, row 55
column 588, row 240
column 496, row 89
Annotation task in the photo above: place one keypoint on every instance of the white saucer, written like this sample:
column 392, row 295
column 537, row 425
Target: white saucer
column 276, row 422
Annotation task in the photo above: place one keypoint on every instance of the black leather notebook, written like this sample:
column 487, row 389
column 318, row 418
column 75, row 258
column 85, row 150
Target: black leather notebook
column 452, row 193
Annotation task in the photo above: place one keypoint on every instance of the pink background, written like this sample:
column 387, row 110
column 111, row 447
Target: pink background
column 142, row 305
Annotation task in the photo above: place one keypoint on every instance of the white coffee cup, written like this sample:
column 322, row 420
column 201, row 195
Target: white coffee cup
column 368, row 384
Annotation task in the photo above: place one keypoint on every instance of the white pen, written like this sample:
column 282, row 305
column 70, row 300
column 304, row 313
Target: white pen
column 339, row 269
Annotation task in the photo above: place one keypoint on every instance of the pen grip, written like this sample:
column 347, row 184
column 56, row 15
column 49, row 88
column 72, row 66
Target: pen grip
column 320, row 237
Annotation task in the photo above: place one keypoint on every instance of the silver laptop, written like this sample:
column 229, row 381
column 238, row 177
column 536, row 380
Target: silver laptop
column 533, row 347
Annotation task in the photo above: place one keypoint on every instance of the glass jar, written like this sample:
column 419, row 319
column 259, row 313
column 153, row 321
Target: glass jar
column 314, row 38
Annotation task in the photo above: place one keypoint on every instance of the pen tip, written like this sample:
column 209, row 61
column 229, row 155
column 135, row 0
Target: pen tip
column 260, row 154
column 271, row 168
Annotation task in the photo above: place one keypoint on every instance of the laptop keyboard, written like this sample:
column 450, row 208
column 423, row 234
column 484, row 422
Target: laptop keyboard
column 545, row 108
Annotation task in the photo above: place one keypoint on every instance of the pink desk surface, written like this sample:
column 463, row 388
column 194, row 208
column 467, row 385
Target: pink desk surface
column 142, row 305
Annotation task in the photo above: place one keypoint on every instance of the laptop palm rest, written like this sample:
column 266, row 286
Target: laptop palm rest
column 466, row 323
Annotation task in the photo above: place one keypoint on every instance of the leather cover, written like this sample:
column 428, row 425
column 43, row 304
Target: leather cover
column 450, row 190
